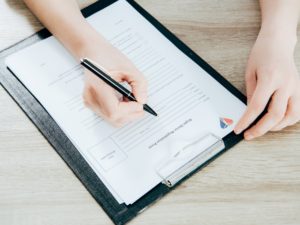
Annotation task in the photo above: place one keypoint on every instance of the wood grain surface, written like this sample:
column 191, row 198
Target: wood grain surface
column 256, row 182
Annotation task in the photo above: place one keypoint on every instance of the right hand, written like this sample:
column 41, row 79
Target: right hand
column 103, row 99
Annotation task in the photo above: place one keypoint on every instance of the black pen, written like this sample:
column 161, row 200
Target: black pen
column 88, row 64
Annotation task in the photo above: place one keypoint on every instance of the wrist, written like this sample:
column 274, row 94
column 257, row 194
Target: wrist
column 85, row 41
column 282, row 34
column 280, row 28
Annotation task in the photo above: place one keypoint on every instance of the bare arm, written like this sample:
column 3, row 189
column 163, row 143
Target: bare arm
column 280, row 17
column 271, row 74
column 65, row 21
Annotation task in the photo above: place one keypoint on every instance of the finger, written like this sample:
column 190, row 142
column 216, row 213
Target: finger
column 275, row 114
column 139, row 90
column 125, row 99
column 138, row 84
column 98, row 93
column 132, row 117
column 127, row 112
column 256, row 106
column 127, row 108
column 292, row 115
column 89, row 99
column 107, row 99
column 105, row 104
column 250, row 83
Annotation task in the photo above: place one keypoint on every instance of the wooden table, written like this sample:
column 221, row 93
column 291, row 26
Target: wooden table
column 256, row 182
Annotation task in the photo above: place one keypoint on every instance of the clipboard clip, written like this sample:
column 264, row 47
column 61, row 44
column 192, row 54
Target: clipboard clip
column 189, row 155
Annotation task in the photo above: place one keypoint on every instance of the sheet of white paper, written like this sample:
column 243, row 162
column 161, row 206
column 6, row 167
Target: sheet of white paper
column 189, row 102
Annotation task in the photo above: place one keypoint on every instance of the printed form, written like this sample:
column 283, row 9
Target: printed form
column 190, row 103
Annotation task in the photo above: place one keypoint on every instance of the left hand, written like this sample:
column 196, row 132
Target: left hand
column 271, row 77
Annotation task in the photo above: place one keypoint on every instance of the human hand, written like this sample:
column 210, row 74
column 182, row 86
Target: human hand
column 271, row 77
column 103, row 99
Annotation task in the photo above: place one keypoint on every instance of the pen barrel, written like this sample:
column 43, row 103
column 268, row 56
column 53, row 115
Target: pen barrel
column 131, row 97
column 107, row 79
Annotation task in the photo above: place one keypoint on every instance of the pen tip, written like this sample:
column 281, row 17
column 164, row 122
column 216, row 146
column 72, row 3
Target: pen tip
column 149, row 110
column 153, row 113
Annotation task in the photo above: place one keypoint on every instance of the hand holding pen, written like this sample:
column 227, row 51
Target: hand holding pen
column 104, row 99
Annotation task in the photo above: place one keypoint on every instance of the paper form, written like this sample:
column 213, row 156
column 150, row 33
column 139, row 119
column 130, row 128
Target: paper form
column 189, row 101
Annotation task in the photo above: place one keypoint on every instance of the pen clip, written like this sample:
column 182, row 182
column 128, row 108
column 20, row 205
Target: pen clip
column 89, row 61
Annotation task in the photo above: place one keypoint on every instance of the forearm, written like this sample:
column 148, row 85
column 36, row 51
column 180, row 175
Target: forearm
column 280, row 18
column 65, row 21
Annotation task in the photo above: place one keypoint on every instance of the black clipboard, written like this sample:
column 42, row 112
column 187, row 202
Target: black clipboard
column 119, row 213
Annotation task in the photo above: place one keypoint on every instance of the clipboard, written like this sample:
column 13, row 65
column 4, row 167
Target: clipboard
column 119, row 213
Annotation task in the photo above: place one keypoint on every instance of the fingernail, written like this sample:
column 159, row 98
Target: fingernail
column 248, row 136
column 237, row 130
column 142, row 100
column 140, row 107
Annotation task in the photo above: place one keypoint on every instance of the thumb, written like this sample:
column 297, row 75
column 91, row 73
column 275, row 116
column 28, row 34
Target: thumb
column 138, row 84
column 251, row 83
